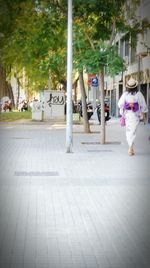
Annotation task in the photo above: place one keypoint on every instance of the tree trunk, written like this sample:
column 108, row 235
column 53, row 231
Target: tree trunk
column 18, row 95
column 101, row 79
column 5, row 87
column 84, row 104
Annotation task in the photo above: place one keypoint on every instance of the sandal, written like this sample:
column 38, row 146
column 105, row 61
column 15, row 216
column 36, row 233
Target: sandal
column 131, row 152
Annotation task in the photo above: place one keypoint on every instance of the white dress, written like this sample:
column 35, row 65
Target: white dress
column 132, row 117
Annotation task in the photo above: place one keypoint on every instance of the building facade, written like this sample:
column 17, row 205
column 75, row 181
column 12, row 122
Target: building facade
column 137, row 60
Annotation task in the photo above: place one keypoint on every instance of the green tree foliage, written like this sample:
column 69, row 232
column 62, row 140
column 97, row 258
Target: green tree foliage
column 36, row 40
column 33, row 36
column 96, row 23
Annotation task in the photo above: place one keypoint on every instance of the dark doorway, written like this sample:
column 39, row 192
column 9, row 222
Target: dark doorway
column 113, row 102
column 144, row 91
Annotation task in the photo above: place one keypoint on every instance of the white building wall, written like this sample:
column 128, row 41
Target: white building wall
column 140, row 67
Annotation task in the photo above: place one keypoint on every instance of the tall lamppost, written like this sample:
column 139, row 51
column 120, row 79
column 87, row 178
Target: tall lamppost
column 69, row 136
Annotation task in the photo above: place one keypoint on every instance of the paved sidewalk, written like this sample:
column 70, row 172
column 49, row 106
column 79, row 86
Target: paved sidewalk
column 87, row 209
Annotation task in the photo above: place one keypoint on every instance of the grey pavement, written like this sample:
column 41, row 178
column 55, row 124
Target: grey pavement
column 86, row 209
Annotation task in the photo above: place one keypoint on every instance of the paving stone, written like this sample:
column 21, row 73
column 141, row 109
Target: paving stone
column 93, row 214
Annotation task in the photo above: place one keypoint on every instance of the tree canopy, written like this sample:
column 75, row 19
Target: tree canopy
column 35, row 39
column 33, row 36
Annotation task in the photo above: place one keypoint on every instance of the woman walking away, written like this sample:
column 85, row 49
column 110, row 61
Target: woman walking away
column 132, row 106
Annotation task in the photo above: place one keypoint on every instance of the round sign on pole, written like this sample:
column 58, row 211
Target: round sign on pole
column 95, row 82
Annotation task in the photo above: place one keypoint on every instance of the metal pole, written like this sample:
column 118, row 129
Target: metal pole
column 69, row 139
column 101, row 79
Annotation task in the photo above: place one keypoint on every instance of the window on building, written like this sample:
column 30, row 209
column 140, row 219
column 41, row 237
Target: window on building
column 117, row 47
column 127, row 45
column 133, row 54
column 121, row 47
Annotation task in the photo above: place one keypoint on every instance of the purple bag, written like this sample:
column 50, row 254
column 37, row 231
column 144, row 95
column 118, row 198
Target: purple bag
column 122, row 121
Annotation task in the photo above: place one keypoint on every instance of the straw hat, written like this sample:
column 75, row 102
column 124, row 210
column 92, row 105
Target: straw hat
column 132, row 83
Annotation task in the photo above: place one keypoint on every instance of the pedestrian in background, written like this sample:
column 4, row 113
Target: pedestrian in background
column 133, row 107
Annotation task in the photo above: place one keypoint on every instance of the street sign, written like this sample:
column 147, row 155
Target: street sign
column 94, row 82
